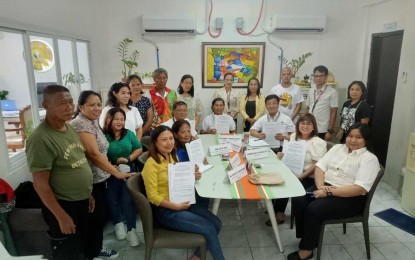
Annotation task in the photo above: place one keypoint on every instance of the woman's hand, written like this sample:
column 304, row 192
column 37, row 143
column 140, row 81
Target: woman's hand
column 182, row 206
column 327, row 188
column 198, row 174
column 211, row 131
column 123, row 175
column 250, row 120
column 322, row 191
column 280, row 155
column 205, row 161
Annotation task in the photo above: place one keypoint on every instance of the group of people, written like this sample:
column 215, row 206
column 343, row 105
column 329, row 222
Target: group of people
column 80, row 161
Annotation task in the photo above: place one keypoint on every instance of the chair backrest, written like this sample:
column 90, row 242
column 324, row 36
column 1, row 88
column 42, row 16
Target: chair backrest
column 137, row 190
column 369, row 195
column 329, row 145
column 143, row 157
column 146, row 140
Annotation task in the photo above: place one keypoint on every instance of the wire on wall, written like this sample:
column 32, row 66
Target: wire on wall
column 205, row 29
column 210, row 16
column 155, row 45
column 240, row 31
column 282, row 55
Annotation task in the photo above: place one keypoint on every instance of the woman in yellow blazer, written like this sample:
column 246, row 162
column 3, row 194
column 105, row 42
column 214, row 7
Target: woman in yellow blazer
column 252, row 105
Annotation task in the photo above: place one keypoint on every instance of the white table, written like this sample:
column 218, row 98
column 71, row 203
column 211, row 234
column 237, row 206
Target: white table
column 212, row 186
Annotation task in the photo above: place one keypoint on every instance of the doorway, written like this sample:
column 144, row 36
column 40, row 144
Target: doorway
column 385, row 55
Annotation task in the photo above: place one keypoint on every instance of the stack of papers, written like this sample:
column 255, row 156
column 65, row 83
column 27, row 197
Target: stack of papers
column 257, row 143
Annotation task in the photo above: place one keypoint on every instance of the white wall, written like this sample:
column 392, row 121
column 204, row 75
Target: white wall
column 344, row 47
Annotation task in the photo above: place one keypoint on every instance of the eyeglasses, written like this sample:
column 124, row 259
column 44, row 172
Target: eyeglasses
column 305, row 123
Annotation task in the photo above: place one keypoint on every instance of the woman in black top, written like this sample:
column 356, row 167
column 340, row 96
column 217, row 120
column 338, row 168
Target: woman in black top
column 355, row 109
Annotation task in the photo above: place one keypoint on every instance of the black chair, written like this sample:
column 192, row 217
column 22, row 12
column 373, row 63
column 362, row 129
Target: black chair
column 154, row 235
column 363, row 217
column 40, row 88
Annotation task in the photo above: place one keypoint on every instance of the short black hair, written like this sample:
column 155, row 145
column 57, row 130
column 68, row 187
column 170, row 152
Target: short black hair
column 322, row 69
column 272, row 96
column 179, row 103
column 53, row 89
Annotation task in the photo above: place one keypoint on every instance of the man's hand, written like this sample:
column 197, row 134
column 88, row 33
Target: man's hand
column 66, row 224
column 328, row 136
column 280, row 136
column 91, row 203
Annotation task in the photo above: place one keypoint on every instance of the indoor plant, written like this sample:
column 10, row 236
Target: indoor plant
column 129, row 60
column 71, row 79
column 295, row 64
column 3, row 94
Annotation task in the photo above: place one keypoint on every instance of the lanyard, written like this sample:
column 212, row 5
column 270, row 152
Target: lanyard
column 270, row 119
column 228, row 99
column 321, row 92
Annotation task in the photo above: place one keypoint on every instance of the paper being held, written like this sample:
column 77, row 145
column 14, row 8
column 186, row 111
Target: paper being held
column 182, row 182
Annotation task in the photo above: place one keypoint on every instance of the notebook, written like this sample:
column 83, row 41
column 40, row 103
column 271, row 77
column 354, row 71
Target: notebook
column 8, row 105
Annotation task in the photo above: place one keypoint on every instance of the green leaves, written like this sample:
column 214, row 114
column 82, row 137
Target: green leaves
column 295, row 64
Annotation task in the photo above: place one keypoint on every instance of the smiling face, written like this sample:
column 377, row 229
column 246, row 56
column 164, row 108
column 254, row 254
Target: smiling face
column 272, row 106
column 123, row 96
column 180, row 112
column 118, row 122
column 218, row 107
column 355, row 140
column 136, row 86
column 184, row 135
column 355, row 92
column 228, row 81
column 306, row 128
column 165, row 143
column 186, row 85
column 92, row 108
column 253, row 86
column 59, row 106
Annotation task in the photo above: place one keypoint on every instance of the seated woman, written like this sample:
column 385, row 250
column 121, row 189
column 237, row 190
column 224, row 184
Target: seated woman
column 124, row 148
column 212, row 121
column 176, row 216
column 342, row 177
column 306, row 130
column 182, row 135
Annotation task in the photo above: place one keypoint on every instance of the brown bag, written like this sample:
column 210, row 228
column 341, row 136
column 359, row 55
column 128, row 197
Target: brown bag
column 266, row 178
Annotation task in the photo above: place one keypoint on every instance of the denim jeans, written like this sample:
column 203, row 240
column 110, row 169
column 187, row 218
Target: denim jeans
column 197, row 220
column 68, row 247
column 120, row 203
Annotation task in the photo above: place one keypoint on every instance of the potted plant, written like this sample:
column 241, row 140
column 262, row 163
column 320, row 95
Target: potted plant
column 71, row 79
column 3, row 94
column 146, row 77
column 129, row 60
column 295, row 64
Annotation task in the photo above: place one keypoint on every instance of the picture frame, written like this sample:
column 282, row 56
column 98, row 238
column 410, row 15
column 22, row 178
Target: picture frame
column 245, row 60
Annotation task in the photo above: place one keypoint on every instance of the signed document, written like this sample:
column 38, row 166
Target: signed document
column 222, row 124
column 196, row 154
column 294, row 155
column 182, row 182
column 270, row 129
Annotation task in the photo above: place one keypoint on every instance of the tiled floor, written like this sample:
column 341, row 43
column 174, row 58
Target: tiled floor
column 244, row 235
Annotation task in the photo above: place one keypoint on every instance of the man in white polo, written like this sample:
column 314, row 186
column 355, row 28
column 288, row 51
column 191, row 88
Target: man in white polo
column 322, row 102
column 290, row 95
column 180, row 113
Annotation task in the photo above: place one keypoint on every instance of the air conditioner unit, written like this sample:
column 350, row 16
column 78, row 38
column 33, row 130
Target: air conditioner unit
column 168, row 24
column 298, row 23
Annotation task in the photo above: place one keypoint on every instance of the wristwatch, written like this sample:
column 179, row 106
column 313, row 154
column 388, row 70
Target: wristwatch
column 329, row 194
column 330, row 130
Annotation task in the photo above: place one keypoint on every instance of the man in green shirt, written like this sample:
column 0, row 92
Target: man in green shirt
column 61, row 175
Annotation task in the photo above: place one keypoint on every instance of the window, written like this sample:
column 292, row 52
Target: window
column 30, row 62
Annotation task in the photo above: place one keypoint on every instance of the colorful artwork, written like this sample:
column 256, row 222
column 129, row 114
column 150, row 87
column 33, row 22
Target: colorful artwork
column 243, row 60
column 42, row 55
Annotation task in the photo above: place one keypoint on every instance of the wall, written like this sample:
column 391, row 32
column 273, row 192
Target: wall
column 344, row 47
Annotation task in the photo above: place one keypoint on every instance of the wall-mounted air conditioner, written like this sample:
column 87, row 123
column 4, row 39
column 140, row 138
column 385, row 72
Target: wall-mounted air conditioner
column 168, row 24
column 298, row 23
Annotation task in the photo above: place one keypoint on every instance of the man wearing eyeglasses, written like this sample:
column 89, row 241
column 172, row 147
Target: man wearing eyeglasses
column 322, row 101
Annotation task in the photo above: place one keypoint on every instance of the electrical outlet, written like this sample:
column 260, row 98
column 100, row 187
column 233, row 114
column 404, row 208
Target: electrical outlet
column 219, row 23
column 239, row 22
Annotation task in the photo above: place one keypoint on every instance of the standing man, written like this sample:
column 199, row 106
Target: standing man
column 322, row 102
column 162, row 97
column 61, row 175
column 290, row 95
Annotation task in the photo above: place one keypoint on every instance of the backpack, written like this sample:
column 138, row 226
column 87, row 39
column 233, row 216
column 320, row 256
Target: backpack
column 27, row 197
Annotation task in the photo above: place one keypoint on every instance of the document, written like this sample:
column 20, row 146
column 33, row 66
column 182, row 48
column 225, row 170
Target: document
column 222, row 124
column 254, row 154
column 294, row 155
column 237, row 173
column 196, row 154
column 234, row 140
column 235, row 160
column 220, row 149
column 182, row 182
column 270, row 129
column 257, row 143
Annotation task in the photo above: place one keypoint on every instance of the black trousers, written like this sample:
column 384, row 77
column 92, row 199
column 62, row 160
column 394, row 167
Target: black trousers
column 68, row 247
column 96, row 221
column 310, row 213
column 322, row 135
column 280, row 205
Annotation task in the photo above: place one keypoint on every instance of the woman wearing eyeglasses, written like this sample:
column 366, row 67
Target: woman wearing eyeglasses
column 229, row 95
column 305, row 130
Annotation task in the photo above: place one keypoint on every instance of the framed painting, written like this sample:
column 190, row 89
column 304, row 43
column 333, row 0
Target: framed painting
column 245, row 60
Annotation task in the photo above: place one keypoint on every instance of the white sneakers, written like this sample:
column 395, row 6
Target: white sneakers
column 120, row 231
column 132, row 237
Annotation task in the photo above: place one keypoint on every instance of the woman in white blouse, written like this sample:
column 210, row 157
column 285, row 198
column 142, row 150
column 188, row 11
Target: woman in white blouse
column 229, row 95
column 305, row 130
column 342, row 177
column 186, row 93
column 218, row 122
column 119, row 96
